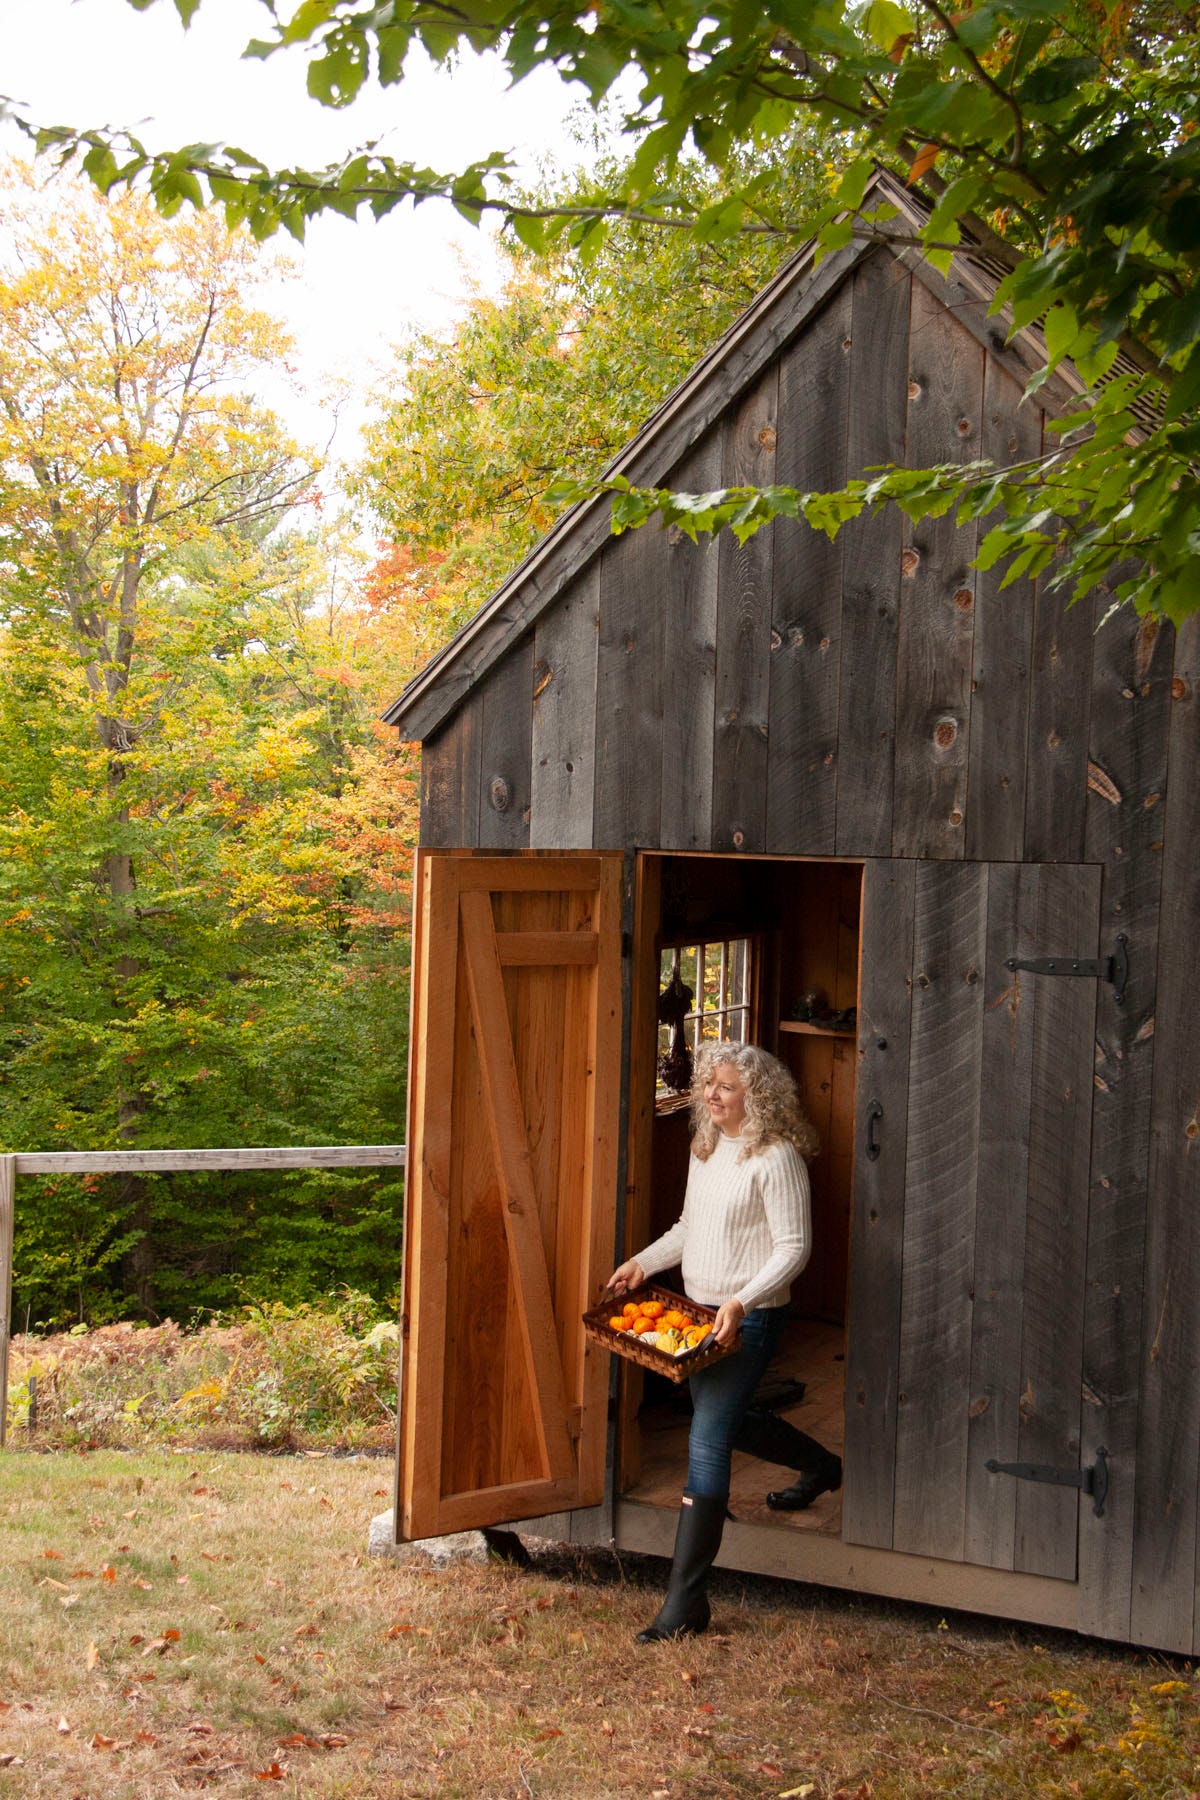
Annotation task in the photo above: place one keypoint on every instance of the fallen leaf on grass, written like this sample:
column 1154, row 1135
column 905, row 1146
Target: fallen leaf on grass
column 93, row 1655
column 1063, row 1742
column 108, row 1573
column 9, row 1761
column 543, row 1736
column 391, row 1704
column 55, row 1555
column 146, row 1737
column 768, row 1768
column 333, row 1740
column 64, row 1727
column 100, row 1742
column 137, row 1582
column 49, row 1581
column 82, row 1575
column 275, row 1771
column 800, row 1793
column 707, row 1707
column 298, row 1740
column 395, row 1631
column 69, row 1600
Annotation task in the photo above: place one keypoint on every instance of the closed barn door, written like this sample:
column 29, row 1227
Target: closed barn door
column 513, row 1112
column 969, row 1240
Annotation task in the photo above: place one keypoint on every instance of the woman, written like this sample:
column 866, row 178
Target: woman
column 742, row 1237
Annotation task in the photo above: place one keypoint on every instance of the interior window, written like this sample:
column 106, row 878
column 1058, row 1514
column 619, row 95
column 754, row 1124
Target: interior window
column 718, row 975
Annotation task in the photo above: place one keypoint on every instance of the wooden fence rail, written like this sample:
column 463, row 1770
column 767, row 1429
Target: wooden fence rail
column 153, row 1162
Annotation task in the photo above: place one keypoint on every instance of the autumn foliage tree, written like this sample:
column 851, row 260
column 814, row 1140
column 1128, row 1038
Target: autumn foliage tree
column 195, row 945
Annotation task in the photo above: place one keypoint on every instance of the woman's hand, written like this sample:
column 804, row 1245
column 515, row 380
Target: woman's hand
column 629, row 1275
column 728, row 1321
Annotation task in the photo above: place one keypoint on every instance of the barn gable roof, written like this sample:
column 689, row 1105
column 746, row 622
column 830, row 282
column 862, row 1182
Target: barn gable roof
column 778, row 315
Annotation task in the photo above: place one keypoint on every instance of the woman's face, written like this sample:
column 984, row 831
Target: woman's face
column 725, row 1098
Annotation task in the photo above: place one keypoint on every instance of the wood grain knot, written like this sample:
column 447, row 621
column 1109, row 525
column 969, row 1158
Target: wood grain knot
column 499, row 794
column 776, row 639
column 1179, row 688
column 766, row 438
column 1151, row 800
column 910, row 562
column 945, row 733
column 847, row 343
column 1053, row 740
column 956, row 817
column 915, row 389
column 543, row 675
column 739, row 838
column 964, row 599
column 963, row 427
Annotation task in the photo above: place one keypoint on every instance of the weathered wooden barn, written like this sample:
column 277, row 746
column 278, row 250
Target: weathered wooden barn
column 860, row 769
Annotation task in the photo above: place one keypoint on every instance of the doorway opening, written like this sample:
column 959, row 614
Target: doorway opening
column 770, row 949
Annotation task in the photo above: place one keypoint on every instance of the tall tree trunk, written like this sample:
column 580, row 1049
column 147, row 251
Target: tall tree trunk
column 141, row 1260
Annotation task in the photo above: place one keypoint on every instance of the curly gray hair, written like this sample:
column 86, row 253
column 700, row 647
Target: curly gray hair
column 773, row 1109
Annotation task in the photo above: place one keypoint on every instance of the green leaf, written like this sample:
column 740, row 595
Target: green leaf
column 1185, row 388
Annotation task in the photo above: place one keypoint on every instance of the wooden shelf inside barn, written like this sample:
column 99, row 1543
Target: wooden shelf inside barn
column 803, row 1027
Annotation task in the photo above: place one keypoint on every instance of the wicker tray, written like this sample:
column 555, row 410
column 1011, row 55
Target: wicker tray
column 624, row 1343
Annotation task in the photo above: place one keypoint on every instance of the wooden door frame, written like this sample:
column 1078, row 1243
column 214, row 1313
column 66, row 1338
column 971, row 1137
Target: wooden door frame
column 643, row 1049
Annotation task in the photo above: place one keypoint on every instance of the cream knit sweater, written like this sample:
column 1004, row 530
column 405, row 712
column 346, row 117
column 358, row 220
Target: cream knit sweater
column 745, row 1229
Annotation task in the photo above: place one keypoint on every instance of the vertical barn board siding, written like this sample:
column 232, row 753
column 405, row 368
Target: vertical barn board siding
column 564, row 719
column 933, row 672
column 505, row 752
column 949, row 944
column 742, row 699
column 871, row 550
column 1130, row 719
column 1001, row 650
column 1165, row 1562
column 877, row 1227
column 1060, row 1132
column 633, row 586
column 687, row 679
column 450, row 781
column 806, row 611
column 1006, row 1074
column 1056, row 770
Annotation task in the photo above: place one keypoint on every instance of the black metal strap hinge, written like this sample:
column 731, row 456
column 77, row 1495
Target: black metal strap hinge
column 1093, row 1481
column 1114, row 968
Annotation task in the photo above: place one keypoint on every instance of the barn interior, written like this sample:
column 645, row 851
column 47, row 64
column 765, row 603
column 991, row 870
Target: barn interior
column 769, row 949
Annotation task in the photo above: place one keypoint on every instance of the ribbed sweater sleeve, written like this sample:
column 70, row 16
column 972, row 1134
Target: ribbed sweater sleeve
column 783, row 1185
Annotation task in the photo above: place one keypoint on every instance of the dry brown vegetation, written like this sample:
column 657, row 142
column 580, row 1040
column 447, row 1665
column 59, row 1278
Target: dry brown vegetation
column 174, row 1622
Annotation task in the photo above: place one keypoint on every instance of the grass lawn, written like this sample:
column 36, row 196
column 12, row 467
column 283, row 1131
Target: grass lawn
column 176, row 1622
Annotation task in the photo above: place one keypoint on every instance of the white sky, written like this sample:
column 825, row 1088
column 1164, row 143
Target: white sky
column 360, row 286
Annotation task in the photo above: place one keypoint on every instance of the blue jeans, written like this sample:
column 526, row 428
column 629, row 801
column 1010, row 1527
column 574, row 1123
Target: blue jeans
column 720, row 1395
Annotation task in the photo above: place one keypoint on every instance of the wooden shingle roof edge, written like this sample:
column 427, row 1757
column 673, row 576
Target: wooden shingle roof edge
column 777, row 315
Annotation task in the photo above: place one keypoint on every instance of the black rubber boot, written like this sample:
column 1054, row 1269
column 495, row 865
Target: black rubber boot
column 826, row 1478
column 685, row 1612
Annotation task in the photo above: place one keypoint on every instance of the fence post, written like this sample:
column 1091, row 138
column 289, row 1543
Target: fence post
column 8, row 1187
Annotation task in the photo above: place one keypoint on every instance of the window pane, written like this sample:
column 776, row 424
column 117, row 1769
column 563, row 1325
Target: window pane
column 737, row 972
column 687, row 969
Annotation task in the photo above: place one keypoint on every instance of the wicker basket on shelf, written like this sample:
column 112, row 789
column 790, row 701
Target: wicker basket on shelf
column 635, row 1349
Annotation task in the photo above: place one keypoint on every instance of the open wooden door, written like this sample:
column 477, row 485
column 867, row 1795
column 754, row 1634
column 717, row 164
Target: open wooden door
column 514, row 1099
column 969, row 1243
